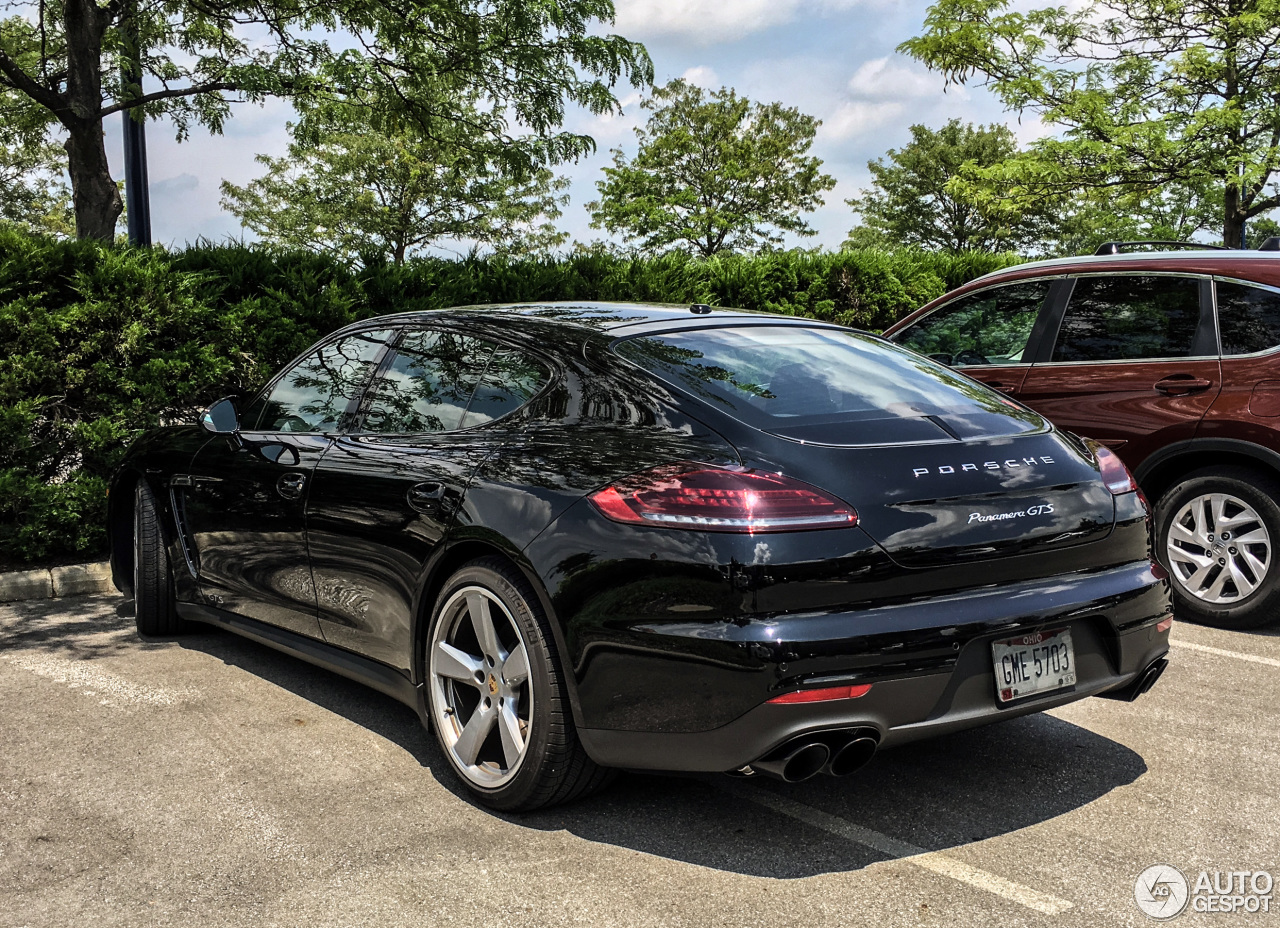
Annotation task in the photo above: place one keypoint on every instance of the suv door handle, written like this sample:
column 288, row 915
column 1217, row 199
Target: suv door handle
column 1181, row 385
column 290, row 486
column 425, row 497
column 999, row 385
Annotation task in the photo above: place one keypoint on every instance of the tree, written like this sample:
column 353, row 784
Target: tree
column 912, row 201
column 712, row 174
column 1147, row 93
column 420, row 63
column 347, row 188
column 1260, row 230
column 33, row 191
column 1171, row 213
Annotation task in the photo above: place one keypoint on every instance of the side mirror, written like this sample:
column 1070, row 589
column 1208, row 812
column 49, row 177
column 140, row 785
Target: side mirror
column 221, row 418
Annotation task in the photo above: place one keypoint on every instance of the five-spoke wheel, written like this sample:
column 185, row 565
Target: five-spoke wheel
column 480, row 682
column 497, row 703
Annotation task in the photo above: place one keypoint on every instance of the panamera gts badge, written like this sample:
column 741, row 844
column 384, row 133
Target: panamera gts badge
column 985, row 465
column 1042, row 510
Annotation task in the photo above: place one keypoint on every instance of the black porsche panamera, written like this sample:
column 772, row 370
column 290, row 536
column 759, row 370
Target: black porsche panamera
column 584, row 537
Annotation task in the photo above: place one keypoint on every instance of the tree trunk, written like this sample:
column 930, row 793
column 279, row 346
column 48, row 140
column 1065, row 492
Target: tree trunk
column 95, row 195
column 1233, row 218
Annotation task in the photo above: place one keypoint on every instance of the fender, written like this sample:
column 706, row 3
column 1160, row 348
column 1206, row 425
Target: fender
column 433, row 577
column 1166, row 455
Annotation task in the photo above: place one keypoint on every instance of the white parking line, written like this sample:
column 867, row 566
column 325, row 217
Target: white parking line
column 96, row 682
column 934, row 861
column 1251, row 658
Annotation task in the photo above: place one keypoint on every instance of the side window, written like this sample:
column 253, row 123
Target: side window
column 1248, row 318
column 511, row 380
column 428, row 384
column 1127, row 318
column 991, row 327
column 314, row 394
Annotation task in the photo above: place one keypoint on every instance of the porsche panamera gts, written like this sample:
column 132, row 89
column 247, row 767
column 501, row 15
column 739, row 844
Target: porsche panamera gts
column 583, row 537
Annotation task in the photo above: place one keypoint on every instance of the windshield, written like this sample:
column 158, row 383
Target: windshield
column 817, row 383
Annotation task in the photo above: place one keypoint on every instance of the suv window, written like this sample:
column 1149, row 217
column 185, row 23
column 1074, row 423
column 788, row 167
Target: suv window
column 991, row 327
column 314, row 394
column 1248, row 318
column 511, row 380
column 428, row 384
column 1129, row 317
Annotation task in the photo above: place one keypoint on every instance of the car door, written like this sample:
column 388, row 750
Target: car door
column 1248, row 408
column 1134, row 362
column 244, row 498
column 385, row 493
column 985, row 334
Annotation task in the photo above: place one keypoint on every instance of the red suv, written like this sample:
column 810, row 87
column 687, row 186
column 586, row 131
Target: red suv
column 1172, row 359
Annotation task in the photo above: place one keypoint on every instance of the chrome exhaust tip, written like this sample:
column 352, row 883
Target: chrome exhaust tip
column 855, row 755
column 796, row 761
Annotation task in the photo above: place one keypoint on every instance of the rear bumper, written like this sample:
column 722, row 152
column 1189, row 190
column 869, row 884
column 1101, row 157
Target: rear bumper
column 929, row 663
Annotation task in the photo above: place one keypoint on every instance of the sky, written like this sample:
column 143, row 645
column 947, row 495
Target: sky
column 833, row 59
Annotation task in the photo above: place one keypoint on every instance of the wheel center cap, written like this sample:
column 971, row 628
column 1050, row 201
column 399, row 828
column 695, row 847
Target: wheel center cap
column 1218, row 550
column 493, row 685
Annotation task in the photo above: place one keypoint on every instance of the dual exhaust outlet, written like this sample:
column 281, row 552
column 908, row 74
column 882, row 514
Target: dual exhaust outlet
column 837, row 753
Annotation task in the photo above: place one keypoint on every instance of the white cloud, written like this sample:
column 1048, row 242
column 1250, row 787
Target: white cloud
column 888, row 79
column 885, row 92
column 858, row 117
column 707, row 22
column 702, row 76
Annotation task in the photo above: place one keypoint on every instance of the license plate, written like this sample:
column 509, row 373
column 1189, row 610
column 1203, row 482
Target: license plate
column 1033, row 664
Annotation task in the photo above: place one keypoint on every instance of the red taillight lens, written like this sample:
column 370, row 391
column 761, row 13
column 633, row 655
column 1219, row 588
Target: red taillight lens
column 1114, row 474
column 715, row 499
column 823, row 695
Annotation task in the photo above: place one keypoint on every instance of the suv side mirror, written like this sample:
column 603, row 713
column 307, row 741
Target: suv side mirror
column 221, row 418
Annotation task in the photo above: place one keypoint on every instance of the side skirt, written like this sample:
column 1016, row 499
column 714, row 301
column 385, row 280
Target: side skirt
column 371, row 673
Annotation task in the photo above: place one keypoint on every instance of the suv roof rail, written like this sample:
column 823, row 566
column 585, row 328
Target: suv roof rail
column 1272, row 243
column 1114, row 248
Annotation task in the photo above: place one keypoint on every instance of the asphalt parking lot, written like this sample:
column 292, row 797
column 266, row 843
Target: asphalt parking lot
column 209, row 780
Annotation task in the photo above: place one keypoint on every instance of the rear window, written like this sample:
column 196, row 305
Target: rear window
column 825, row 385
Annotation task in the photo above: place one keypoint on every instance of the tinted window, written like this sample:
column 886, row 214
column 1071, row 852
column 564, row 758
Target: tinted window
column 1123, row 318
column 991, row 327
column 428, row 384
column 1248, row 318
column 314, row 394
column 511, row 380
column 819, row 384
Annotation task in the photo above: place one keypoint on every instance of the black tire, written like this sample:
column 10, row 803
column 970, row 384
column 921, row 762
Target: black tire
column 1260, row 606
column 154, row 610
column 553, row 768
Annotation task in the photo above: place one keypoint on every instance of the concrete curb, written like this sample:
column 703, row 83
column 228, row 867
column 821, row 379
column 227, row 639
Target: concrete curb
column 48, row 582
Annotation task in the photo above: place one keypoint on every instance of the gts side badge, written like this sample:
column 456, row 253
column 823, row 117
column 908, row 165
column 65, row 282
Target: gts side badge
column 985, row 465
column 1044, row 510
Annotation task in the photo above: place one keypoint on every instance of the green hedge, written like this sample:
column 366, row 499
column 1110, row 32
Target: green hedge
column 102, row 342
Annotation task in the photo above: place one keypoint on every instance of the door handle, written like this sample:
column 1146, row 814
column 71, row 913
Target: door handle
column 999, row 385
column 425, row 497
column 1181, row 385
column 290, row 486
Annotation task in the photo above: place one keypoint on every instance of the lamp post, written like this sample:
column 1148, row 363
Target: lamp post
column 136, row 194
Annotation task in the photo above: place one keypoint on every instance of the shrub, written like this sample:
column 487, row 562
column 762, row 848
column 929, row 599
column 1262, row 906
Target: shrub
column 104, row 342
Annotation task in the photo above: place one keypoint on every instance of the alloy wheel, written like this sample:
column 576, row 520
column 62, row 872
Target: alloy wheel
column 1218, row 548
column 482, row 699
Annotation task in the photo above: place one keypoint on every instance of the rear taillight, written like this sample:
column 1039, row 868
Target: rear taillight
column 828, row 694
column 714, row 499
column 1114, row 474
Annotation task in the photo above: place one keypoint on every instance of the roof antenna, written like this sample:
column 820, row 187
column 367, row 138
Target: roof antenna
column 700, row 308
column 1271, row 244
